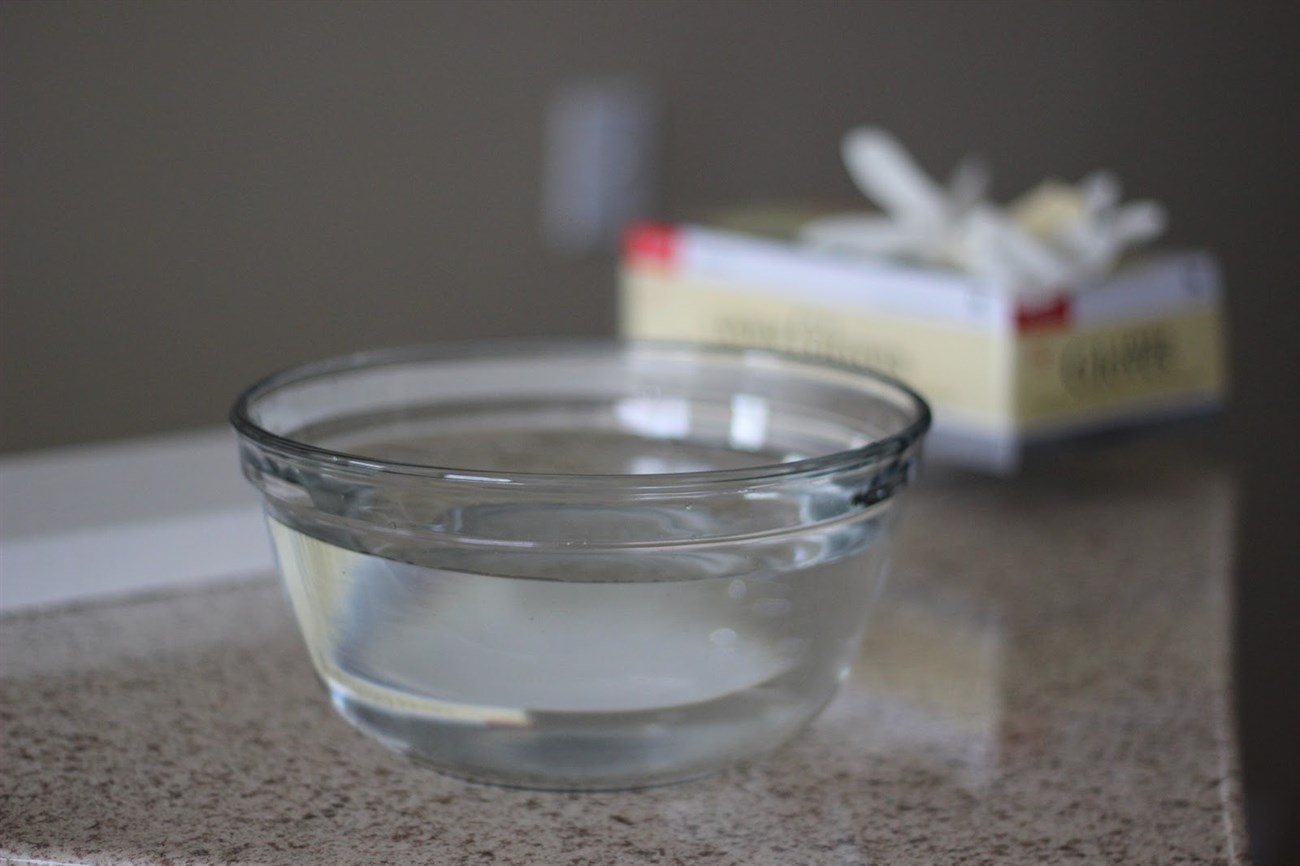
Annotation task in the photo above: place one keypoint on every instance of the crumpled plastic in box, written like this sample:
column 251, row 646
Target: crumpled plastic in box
column 1057, row 237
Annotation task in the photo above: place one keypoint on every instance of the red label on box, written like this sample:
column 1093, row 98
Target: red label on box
column 650, row 243
column 1052, row 314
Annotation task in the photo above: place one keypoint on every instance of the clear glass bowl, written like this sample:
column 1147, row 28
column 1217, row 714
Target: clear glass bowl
column 579, row 565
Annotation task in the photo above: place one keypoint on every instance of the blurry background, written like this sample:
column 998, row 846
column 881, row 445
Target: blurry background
column 196, row 194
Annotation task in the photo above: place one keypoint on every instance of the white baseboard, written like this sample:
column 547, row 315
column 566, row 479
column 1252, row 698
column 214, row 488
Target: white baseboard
column 97, row 521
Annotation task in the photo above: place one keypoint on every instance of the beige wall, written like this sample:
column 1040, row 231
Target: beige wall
column 197, row 193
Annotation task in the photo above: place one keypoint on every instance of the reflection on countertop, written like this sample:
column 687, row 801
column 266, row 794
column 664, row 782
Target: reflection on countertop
column 1044, row 681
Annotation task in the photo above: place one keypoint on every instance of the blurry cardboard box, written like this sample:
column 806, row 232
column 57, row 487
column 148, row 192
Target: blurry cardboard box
column 1143, row 344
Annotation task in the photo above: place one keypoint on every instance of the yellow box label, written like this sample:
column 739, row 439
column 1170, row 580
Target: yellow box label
column 1066, row 374
column 963, row 371
column 992, row 379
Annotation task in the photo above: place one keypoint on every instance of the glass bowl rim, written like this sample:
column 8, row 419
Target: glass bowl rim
column 521, row 348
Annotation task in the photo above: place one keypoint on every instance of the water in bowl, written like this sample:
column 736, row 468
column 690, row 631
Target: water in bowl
column 584, row 669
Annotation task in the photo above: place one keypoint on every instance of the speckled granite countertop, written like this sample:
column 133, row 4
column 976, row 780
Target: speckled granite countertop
column 1045, row 682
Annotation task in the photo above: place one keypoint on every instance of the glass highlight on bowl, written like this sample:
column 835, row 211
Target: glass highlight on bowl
column 580, row 565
